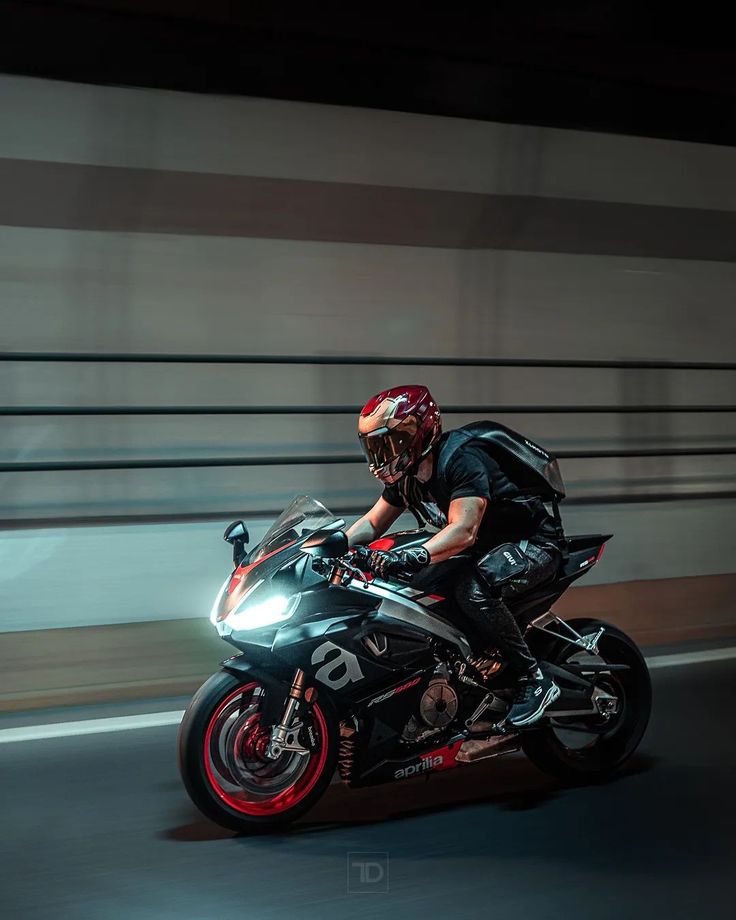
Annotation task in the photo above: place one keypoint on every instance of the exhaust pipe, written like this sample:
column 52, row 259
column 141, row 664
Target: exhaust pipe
column 476, row 749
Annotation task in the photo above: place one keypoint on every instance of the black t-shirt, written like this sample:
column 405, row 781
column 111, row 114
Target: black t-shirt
column 471, row 472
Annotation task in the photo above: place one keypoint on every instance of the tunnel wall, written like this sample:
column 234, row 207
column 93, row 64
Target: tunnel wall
column 110, row 256
column 146, row 221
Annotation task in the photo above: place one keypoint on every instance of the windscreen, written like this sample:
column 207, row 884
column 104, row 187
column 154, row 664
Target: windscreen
column 303, row 516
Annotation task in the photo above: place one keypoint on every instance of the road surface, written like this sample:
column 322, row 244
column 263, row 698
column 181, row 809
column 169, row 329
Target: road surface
column 98, row 826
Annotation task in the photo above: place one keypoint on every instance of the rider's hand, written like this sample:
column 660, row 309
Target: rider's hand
column 391, row 562
column 359, row 557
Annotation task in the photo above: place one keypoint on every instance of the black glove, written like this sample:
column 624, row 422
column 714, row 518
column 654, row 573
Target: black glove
column 391, row 562
column 360, row 556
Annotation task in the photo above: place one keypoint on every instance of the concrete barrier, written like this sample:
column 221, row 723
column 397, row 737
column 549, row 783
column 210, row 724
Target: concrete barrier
column 140, row 660
column 55, row 577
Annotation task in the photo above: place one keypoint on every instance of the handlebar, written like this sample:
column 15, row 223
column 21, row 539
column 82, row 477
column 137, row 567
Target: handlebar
column 354, row 561
column 358, row 556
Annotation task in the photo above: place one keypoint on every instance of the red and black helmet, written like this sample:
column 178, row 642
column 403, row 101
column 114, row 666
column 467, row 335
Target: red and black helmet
column 396, row 428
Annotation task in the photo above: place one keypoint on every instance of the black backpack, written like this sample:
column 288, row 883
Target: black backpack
column 530, row 467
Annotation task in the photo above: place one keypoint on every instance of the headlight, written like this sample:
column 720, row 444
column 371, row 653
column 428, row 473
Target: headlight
column 219, row 614
column 254, row 616
column 216, row 606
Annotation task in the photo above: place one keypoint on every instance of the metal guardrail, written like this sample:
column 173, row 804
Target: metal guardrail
column 344, row 360
column 19, row 411
column 359, row 360
column 227, row 514
column 329, row 459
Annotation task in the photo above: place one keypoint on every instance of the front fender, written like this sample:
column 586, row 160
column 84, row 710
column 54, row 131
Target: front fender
column 239, row 666
column 277, row 688
column 277, row 685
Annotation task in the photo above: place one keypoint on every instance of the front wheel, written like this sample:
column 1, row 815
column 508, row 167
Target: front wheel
column 588, row 748
column 222, row 761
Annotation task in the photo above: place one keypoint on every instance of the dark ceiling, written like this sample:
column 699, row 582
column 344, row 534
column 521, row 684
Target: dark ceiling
column 609, row 66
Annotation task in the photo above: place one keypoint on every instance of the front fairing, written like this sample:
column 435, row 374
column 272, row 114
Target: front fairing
column 324, row 626
column 277, row 551
column 323, row 609
column 266, row 589
column 249, row 577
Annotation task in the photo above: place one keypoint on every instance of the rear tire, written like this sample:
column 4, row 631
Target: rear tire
column 610, row 748
column 220, row 754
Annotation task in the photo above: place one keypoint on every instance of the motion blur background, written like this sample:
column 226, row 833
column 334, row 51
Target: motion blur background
column 222, row 228
column 323, row 248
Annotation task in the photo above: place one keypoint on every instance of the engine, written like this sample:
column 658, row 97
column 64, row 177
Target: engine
column 438, row 706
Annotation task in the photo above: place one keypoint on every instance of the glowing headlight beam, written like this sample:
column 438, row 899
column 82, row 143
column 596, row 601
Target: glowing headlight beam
column 275, row 610
column 215, row 616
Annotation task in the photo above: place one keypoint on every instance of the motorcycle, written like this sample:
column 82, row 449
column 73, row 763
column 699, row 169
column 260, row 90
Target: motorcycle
column 383, row 681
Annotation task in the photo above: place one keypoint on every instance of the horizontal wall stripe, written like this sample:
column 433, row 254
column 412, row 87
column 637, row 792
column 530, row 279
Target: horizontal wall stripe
column 48, row 466
column 82, row 197
column 117, row 126
column 353, row 510
column 73, row 411
column 342, row 360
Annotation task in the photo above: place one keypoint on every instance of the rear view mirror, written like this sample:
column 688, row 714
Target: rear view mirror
column 237, row 535
column 326, row 544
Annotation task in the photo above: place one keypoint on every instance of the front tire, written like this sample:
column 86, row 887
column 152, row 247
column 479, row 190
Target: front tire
column 221, row 757
column 610, row 745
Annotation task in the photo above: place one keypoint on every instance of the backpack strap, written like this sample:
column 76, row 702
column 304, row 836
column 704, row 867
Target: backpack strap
column 421, row 523
column 558, row 522
column 410, row 505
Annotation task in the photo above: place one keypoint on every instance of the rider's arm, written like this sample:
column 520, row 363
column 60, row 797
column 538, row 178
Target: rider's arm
column 463, row 520
column 373, row 524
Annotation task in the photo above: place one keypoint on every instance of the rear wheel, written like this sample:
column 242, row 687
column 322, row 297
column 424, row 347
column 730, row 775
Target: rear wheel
column 223, row 763
column 591, row 747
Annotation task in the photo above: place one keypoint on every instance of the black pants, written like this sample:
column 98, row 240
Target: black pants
column 505, row 572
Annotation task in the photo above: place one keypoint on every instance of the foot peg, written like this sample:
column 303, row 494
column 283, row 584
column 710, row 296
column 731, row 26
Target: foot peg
column 473, row 750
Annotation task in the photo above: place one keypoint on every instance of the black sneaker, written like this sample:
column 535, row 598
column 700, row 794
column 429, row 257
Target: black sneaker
column 534, row 695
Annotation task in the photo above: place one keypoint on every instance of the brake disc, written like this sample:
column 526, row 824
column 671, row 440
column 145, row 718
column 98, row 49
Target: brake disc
column 251, row 770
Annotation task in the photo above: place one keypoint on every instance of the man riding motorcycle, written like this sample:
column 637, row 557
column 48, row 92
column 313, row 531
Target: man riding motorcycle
column 477, row 507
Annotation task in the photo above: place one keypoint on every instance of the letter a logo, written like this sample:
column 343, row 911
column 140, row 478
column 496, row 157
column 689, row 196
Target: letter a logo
column 340, row 670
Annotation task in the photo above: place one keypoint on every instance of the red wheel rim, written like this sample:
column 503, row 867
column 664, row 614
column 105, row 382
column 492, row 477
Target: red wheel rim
column 287, row 798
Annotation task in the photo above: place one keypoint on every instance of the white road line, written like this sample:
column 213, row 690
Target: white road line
column 90, row 726
column 683, row 658
column 159, row 719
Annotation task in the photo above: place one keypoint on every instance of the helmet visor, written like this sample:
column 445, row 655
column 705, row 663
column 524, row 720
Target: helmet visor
column 385, row 445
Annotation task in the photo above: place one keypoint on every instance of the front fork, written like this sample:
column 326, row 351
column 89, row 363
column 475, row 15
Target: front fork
column 285, row 735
